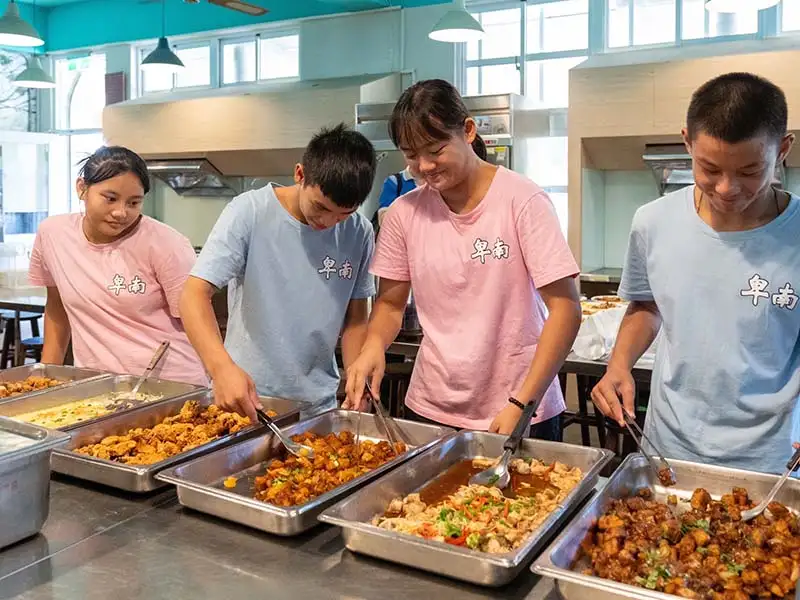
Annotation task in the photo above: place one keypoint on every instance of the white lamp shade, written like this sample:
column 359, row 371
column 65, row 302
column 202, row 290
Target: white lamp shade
column 34, row 76
column 457, row 25
column 738, row 6
column 15, row 31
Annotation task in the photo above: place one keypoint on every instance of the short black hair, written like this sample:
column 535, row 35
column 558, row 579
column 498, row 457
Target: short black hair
column 342, row 163
column 736, row 107
column 109, row 161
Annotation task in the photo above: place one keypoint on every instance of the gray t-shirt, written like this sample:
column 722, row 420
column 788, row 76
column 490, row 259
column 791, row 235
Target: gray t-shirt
column 288, row 290
column 726, row 378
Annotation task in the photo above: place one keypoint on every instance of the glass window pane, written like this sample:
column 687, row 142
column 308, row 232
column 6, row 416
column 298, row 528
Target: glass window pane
column 790, row 15
column 197, row 67
column 15, row 107
column 548, row 80
column 697, row 23
column 239, row 62
column 81, row 146
column 23, row 186
column 472, row 46
column 155, row 80
column 503, row 29
column 653, row 22
column 80, row 92
column 619, row 23
column 494, row 79
column 280, row 57
column 558, row 26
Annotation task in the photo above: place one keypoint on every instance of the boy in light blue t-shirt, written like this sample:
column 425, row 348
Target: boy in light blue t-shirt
column 717, row 265
column 295, row 260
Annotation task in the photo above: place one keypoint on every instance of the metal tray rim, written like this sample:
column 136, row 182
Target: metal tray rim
column 67, row 384
column 52, row 438
column 170, row 475
column 506, row 560
column 544, row 565
column 172, row 461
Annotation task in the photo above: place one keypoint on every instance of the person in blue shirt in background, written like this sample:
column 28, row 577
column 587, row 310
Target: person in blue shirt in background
column 717, row 266
column 403, row 182
column 295, row 260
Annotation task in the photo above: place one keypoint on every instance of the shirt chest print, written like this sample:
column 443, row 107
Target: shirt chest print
column 758, row 288
column 345, row 271
column 498, row 252
column 136, row 286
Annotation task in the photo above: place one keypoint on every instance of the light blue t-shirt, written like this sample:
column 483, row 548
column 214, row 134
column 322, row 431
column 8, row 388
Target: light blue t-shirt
column 726, row 378
column 288, row 290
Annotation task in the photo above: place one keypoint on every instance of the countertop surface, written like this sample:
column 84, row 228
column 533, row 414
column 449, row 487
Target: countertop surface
column 107, row 545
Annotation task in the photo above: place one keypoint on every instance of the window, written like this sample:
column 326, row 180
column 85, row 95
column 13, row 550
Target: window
column 697, row 22
column 196, row 72
column 280, row 57
column 790, row 16
column 640, row 22
column 556, row 36
column 80, row 92
column 558, row 26
column 15, row 102
column 238, row 62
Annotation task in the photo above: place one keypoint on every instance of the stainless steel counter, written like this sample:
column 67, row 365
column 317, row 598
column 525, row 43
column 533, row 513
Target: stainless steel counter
column 99, row 544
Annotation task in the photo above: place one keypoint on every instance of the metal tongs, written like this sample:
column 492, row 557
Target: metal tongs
column 385, row 419
column 665, row 473
column 498, row 475
column 299, row 450
column 794, row 462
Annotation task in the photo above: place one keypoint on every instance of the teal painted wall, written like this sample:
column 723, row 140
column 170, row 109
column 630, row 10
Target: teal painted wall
column 96, row 22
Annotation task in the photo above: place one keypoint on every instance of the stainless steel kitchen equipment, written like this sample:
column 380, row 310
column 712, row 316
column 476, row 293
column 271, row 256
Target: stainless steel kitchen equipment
column 25, row 480
column 562, row 560
column 69, row 375
column 354, row 513
column 112, row 385
column 200, row 482
column 157, row 356
column 794, row 462
column 141, row 478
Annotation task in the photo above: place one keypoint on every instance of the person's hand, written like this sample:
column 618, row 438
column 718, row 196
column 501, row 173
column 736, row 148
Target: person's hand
column 234, row 391
column 506, row 420
column 369, row 366
column 615, row 390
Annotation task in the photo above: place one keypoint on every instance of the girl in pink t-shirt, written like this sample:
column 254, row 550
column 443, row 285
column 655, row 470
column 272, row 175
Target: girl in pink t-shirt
column 114, row 277
column 492, row 275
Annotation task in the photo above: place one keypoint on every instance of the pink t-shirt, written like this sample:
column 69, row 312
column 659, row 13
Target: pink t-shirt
column 474, row 278
column 121, row 298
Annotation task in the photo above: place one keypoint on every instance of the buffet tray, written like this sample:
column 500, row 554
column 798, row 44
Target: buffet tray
column 25, row 481
column 562, row 560
column 141, row 478
column 82, row 390
column 200, row 487
column 354, row 514
column 68, row 374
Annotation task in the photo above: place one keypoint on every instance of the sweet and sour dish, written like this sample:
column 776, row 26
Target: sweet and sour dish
column 707, row 553
column 337, row 460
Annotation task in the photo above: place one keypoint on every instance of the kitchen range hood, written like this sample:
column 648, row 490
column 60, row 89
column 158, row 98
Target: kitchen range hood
column 671, row 165
column 194, row 177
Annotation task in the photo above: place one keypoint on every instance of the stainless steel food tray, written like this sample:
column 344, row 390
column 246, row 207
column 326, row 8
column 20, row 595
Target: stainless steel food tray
column 200, row 486
column 69, row 375
column 83, row 390
column 354, row 514
column 141, row 478
column 25, row 482
column 562, row 560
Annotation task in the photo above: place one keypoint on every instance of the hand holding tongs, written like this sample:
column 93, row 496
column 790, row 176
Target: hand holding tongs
column 793, row 463
column 665, row 473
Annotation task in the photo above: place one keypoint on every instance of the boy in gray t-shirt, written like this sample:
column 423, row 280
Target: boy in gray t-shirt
column 717, row 267
column 295, row 260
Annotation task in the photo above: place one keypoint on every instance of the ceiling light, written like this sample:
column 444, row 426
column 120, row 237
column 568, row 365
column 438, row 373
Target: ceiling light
column 738, row 6
column 16, row 31
column 34, row 76
column 162, row 58
column 457, row 25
